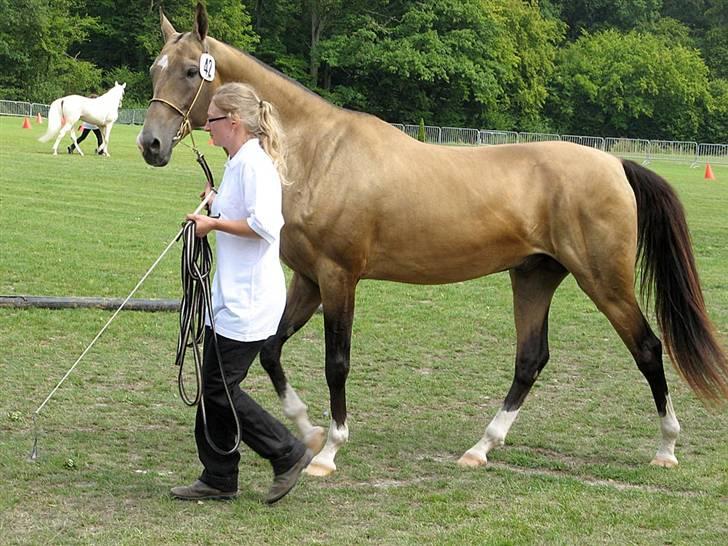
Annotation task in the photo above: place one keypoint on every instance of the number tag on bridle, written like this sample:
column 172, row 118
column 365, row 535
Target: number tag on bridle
column 207, row 67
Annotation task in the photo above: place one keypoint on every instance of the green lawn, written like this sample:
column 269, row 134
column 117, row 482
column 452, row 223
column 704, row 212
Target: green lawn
column 430, row 367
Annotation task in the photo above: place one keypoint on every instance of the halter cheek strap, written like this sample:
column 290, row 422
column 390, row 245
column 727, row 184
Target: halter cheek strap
column 185, row 127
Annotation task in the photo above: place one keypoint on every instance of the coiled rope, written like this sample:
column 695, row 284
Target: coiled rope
column 196, row 304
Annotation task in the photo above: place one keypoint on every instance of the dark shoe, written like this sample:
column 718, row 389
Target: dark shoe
column 201, row 491
column 70, row 150
column 283, row 483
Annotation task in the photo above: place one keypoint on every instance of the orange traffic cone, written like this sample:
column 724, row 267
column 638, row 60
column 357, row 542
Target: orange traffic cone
column 709, row 172
column 26, row 124
column 39, row 118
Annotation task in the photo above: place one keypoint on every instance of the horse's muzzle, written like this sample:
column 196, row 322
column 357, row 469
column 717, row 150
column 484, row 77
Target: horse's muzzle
column 154, row 150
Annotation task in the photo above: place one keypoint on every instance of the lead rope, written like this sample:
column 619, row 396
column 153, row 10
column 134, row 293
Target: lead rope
column 196, row 304
column 34, row 451
column 192, row 311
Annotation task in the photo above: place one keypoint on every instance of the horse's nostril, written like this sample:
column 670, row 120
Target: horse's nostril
column 154, row 146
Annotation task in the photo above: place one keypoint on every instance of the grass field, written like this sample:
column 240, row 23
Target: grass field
column 430, row 367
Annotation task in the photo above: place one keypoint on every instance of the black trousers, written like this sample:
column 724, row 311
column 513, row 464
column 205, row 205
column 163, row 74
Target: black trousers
column 84, row 134
column 260, row 431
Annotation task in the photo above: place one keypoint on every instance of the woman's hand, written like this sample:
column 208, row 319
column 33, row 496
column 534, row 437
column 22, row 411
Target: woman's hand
column 203, row 224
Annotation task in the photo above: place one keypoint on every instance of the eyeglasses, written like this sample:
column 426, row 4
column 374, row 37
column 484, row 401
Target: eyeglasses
column 212, row 120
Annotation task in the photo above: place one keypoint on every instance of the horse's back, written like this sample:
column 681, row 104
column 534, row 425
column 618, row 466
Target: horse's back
column 446, row 213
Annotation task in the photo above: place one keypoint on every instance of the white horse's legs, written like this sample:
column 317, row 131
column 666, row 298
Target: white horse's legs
column 297, row 411
column 495, row 435
column 67, row 127
column 75, row 142
column 670, row 429
column 105, row 132
column 323, row 463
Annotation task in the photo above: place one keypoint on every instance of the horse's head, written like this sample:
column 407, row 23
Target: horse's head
column 117, row 92
column 181, row 94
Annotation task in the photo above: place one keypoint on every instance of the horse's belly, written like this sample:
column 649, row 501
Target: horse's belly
column 453, row 265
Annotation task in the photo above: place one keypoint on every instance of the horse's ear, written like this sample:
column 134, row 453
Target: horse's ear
column 167, row 29
column 201, row 22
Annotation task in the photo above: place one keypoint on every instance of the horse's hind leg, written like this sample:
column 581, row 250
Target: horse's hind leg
column 302, row 301
column 534, row 284
column 617, row 301
column 61, row 133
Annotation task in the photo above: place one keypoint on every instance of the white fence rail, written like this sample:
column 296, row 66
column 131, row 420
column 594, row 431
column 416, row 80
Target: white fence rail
column 632, row 148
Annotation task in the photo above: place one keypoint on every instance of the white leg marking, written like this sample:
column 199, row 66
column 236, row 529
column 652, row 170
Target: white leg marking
column 297, row 411
column 323, row 463
column 495, row 435
column 670, row 429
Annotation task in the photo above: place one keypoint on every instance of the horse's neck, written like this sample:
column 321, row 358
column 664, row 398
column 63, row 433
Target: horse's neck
column 112, row 97
column 295, row 104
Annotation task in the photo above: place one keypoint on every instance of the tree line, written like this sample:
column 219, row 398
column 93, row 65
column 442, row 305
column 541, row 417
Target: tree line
column 640, row 68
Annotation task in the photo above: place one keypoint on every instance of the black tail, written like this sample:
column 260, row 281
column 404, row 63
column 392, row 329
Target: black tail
column 669, row 274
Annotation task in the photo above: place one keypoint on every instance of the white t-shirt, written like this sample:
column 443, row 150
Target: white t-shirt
column 249, row 288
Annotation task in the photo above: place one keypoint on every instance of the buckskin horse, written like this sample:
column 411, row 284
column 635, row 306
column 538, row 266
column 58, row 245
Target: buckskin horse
column 369, row 202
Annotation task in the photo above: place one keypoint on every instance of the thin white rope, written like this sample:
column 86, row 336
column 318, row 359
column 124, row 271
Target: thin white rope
column 144, row 277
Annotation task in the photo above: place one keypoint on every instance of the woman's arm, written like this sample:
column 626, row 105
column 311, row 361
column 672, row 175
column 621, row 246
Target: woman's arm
column 205, row 224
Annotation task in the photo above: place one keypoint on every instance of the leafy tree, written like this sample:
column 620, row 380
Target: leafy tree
column 127, row 37
column 715, row 42
column 456, row 62
column 715, row 118
column 284, row 36
column 591, row 15
column 35, row 36
column 632, row 84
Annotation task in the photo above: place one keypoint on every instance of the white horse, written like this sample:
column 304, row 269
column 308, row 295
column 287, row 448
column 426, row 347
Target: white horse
column 65, row 112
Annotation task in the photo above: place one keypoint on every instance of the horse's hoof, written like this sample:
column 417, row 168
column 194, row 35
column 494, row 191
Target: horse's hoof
column 315, row 439
column 469, row 460
column 664, row 462
column 319, row 469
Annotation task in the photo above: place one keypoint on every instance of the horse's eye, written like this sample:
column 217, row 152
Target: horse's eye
column 192, row 72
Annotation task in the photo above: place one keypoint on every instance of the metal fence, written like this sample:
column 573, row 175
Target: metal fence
column 127, row 116
column 628, row 148
column 632, row 148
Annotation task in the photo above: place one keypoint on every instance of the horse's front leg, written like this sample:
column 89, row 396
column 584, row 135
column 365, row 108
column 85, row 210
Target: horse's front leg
column 301, row 302
column 75, row 142
column 338, row 304
column 533, row 287
column 106, row 131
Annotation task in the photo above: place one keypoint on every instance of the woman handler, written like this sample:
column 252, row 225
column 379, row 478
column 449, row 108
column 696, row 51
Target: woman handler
column 248, row 297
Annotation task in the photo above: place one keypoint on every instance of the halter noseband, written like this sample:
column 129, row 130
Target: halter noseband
column 185, row 124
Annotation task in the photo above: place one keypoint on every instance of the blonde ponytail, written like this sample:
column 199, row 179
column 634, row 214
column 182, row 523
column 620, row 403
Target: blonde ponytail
column 259, row 117
column 272, row 138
